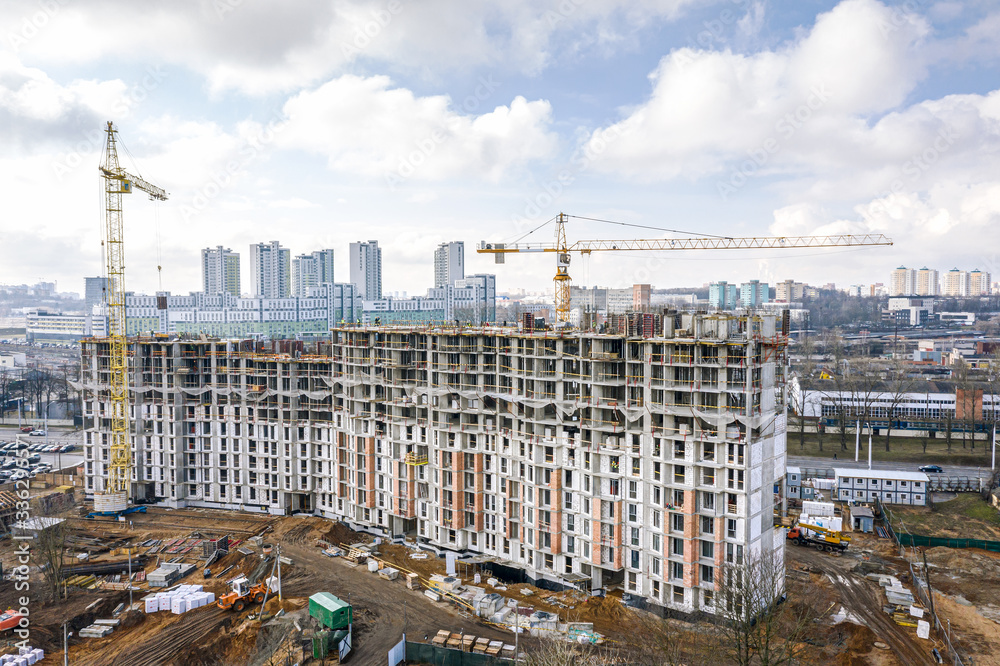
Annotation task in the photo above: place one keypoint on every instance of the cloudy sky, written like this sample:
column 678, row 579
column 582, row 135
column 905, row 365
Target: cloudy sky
column 415, row 123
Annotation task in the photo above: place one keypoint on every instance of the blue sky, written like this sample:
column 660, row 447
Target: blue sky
column 318, row 124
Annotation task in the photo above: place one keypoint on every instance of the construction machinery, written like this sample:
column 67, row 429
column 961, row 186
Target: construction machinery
column 819, row 537
column 115, row 498
column 562, row 249
column 242, row 594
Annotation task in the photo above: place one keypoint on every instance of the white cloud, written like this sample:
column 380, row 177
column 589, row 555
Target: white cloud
column 365, row 126
column 708, row 109
column 251, row 47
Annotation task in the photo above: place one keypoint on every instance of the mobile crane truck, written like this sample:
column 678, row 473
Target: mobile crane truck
column 820, row 537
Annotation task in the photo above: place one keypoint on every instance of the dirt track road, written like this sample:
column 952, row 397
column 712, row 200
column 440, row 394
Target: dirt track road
column 378, row 604
column 862, row 598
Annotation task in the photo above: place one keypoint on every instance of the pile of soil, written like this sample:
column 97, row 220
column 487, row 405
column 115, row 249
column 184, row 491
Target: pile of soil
column 860, row 643
column 340, row 533
column 605, row 608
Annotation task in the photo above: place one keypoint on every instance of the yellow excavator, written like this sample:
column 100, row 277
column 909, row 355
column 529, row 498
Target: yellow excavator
column 821, row 538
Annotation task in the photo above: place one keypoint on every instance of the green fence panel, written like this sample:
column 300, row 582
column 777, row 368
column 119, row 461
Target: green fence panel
column 907, row 539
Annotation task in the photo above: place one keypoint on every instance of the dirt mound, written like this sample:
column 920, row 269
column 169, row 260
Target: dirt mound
column 859, row 644
column 340, row 533
column 605, row 608
column 132, row 618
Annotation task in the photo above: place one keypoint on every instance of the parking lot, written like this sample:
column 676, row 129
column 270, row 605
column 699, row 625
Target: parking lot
column 53, row 438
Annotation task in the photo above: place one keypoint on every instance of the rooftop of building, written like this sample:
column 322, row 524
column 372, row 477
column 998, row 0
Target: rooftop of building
column 887, row 474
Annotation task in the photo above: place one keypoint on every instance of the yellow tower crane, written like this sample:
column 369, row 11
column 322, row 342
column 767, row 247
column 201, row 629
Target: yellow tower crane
column 117, row 489
column 562, row 250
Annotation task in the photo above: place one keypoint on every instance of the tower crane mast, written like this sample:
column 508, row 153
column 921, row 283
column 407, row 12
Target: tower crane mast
column 563, row 250
column 117, row 490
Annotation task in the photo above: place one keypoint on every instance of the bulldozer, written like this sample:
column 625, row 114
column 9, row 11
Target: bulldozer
column 242, row 594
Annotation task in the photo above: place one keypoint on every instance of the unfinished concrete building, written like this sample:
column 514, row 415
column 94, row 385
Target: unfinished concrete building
column 644, row 458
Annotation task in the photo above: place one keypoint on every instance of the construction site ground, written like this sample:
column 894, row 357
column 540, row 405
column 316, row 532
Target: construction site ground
column 953, row 516
column 848, row 624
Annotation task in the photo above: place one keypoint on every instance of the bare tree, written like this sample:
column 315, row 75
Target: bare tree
column 757, row 624
column 898, row 386
column 556, row 652
column 49, row 551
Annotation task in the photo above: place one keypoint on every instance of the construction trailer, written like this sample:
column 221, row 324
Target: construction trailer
column 330, row 611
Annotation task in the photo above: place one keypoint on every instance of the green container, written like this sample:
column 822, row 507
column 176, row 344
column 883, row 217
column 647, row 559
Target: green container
column 332, row 613
column 321, row 645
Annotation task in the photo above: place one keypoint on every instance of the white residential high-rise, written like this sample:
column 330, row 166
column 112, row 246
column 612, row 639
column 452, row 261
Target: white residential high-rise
column 903, row 282
column 979, row 283
column 449, row 263
column 311, row 270
column 928, row 282
column 271, row 270
column 220, row 271
column 956, row 283
column 366, row 269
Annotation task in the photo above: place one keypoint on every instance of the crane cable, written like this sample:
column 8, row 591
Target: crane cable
column 644, row 226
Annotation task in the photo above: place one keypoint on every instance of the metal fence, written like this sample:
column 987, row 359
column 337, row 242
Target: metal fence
column 918, row 582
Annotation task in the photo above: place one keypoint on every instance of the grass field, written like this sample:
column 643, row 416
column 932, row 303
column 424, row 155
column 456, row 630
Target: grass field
column 966, row 516
column 902, row 449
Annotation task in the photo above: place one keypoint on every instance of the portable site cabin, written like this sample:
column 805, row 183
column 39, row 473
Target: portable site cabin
column 332, row 613
column 862, row 518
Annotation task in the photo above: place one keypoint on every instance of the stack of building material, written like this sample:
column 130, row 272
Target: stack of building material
column 389, row 573
column 489, row 604
column 481, row 644
column 467, row 642
column 178, row 600
column 441, row 638
column 25, row 655
column 96, row 631
column 169, row 573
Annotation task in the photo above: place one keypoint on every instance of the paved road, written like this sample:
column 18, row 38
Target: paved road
column 829, row 463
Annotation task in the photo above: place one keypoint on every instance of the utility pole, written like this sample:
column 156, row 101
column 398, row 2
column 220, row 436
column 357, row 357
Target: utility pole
column 869, row 446
column 130, row 577
column 279, row 575
column 927, row 577
column 857, row 439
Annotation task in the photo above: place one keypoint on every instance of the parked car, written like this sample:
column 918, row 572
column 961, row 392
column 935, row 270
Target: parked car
column 69, row 447
column 27, row 429
column 37, row 433
column 931, row 469
column 33, row 458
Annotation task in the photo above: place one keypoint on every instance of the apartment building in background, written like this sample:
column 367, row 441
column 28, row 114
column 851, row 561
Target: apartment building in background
column 449, row 263
column 271, row 268
column 220, row 271
column 366, row 269
column 581, row 458
column 311, row 270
